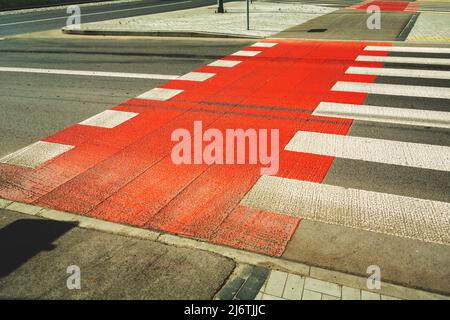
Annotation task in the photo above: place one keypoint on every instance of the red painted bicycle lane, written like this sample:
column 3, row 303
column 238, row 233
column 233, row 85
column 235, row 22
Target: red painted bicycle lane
column 126, row 175
column 393, row 6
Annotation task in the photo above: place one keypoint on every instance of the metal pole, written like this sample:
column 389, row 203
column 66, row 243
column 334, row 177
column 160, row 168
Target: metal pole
column 220, row 8
column 248, row 14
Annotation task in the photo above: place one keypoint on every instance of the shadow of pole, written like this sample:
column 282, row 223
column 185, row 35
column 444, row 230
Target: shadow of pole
column 25, row 238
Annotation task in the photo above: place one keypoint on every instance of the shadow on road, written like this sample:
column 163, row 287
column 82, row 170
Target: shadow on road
column 23, row 239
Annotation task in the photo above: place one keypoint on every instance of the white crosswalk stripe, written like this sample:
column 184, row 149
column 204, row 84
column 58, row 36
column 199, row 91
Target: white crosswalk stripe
column 374, row 211
column 375, row 150
column 415, row 117
column 411, row 60
column 408, row 49
column 393, row 89
column 395, row 72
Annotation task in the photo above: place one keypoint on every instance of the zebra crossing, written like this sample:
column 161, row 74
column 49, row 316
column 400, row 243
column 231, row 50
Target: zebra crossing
column 391, row 171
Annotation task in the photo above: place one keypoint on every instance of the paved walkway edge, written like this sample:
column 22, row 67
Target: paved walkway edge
column 156, row 34
column 239, row 256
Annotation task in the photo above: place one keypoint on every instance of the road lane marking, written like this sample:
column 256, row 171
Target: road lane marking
column 400, row 153
column 407, row 73
column 109, row 119
column 393, row 89
column 415, row 117
column 36, row 154
column 160, row 94
column 224, row 63
column 196, row 76
column 408, row 49
column 94, row 13
column 246, row 53
column 409, row 217
column 91, row 73
column 264, row 44
column 412, row 60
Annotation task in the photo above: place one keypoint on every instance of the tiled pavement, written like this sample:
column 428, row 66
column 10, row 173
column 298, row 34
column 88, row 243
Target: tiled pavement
column 250, row 282
column 287, row 286
column 258, row 283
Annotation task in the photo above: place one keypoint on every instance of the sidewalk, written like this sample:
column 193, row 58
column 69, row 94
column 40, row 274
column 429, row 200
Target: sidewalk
column 431, row 26
column 121, row 262
column 36, row 253
column 204, row 22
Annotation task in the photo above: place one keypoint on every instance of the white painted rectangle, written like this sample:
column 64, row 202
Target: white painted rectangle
column 264, row 44
column 413, row 60
column 415, row 117
column 160, row 94
column 36, row 154
column 224, row 63
column 393, row 89
column 407, row 73
column 407, row 154
column 407, row 49
column 109, row 119
column 408, row 217
column 196, row 76
column 246, row 53
column 90, row 73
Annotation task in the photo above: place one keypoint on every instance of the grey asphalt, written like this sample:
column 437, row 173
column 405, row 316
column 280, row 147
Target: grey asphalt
column 55, row 18
column 34, row 106
column 36, row 253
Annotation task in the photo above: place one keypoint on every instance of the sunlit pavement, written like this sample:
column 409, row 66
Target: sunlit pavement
column 363, row 140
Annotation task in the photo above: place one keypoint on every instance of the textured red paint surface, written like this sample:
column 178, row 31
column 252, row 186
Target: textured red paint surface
column 398, row 6
column 125, row 174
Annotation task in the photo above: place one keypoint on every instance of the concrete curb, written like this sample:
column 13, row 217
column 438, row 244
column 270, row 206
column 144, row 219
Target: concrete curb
column 191, row 34
column 240, row 256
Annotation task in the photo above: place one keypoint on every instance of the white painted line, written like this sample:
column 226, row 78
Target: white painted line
column 224, row 63
column 36, row 154
column 160, row 94
column 196, row 76
column 400, row 153
column 415, row 117
column 246, row 53
column 407, row 49
column 409, row 217
column 109, row 119
column 264, row 44
column 413, row 60
column 91, row 73
column 93, row 14
column 393, row 89
column 407, row 73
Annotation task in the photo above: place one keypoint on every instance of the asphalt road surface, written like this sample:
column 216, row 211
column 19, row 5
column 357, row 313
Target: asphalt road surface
column 42, row 20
